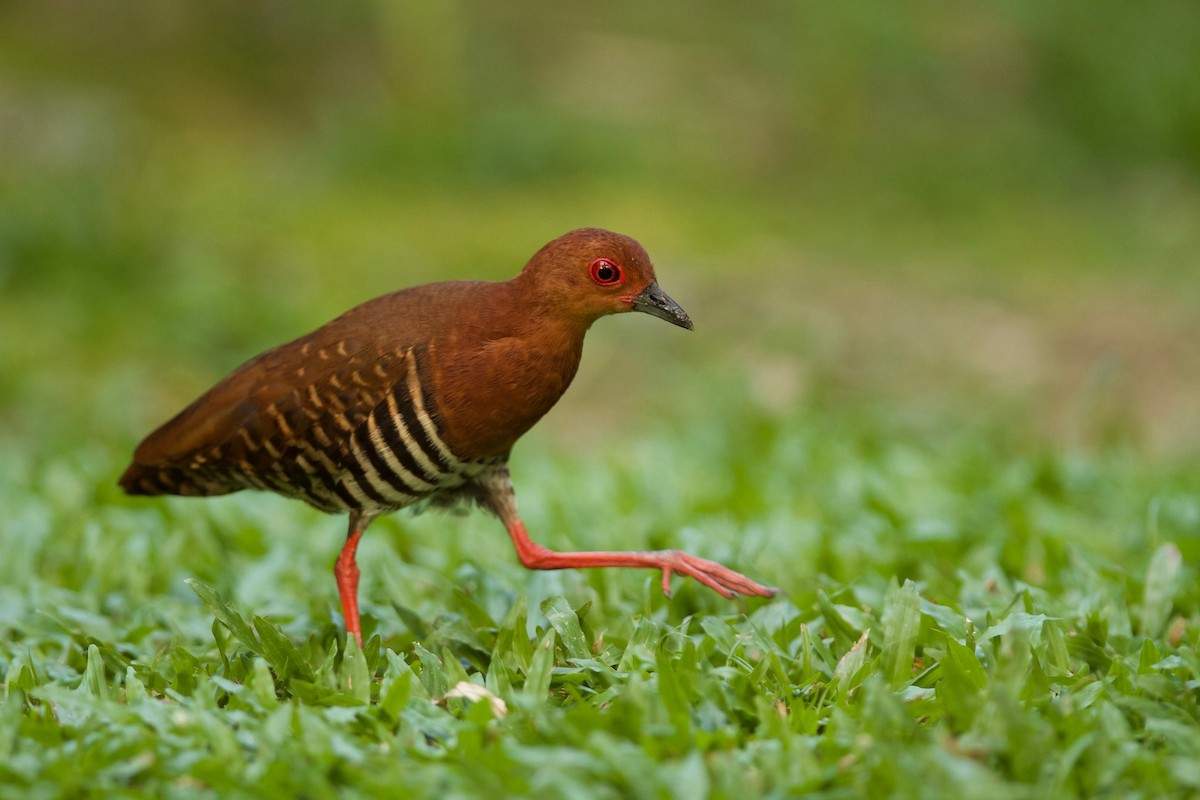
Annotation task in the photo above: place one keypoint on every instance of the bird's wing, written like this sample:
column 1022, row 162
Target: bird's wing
column 299, row 399
column 288, row 416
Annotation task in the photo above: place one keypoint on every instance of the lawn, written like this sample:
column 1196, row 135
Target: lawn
column 964, row 613
column 942, row 392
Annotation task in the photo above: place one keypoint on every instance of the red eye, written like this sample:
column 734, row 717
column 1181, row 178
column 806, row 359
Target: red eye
column 605, row 272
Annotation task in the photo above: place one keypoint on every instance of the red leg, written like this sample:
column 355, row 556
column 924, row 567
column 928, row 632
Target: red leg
column 500, row 498
column 346, row 572
column 713, row 575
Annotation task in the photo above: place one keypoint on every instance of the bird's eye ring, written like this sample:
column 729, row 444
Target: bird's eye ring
column 605, row 272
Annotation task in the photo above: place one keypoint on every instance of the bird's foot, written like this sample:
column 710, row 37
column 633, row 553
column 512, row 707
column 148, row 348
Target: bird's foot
column 717, row 577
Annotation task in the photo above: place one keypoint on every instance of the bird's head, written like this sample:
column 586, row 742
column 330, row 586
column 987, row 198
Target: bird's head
column 590, row 272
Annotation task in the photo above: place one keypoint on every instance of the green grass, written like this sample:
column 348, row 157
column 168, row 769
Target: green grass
column 960, row 618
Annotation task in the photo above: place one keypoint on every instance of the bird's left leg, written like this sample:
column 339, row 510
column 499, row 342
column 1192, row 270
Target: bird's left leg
column 497, row 494
column 345, row 569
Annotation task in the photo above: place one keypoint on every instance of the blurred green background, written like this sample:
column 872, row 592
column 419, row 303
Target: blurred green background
column 934, row 209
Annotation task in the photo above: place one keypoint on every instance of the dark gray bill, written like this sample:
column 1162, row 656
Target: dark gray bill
column 654, row 301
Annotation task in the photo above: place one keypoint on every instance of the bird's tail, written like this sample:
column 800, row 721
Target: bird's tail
column 145, row 479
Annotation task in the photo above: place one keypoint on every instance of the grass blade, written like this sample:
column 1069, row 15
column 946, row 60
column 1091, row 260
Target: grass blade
column 562, row 617
column 93, row 682
column 537, row 680
column 280, row 653
column 1158, row 595
column 228, row 617
column 901, row 625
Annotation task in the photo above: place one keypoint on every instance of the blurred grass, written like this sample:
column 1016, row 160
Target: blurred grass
column 186, row 186
column 944, row 270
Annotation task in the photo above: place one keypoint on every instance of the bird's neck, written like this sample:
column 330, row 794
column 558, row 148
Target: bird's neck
column 513, row 360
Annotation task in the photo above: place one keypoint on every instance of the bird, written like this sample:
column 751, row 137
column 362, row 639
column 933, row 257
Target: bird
column 417, row 397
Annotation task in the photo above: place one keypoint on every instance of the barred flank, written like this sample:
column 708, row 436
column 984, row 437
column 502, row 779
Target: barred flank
column 366, row 457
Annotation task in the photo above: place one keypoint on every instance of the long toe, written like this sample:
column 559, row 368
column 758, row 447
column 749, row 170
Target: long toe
column 718, row 577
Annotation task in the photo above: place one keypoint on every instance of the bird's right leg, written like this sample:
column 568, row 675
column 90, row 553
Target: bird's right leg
column 499, row 497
